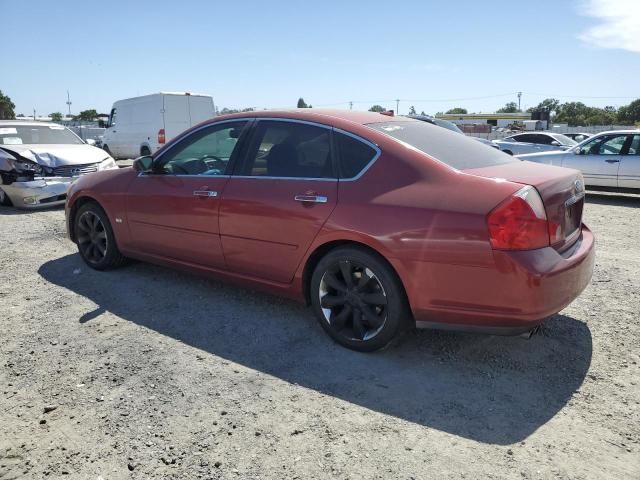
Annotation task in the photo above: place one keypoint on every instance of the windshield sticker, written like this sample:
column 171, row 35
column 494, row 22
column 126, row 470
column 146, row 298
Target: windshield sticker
column 56, row 127
column 8, row 131
column 12, row 141
column 392, row 128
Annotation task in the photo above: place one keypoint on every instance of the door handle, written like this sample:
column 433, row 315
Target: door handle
column 205, row 193
column 612, row 160
column 310, row 198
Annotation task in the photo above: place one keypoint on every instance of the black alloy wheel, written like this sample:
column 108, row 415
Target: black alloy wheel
column 95, row 239
column 358, row 299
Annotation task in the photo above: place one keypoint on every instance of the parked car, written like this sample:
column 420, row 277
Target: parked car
column 451, row 126
column 608, row 159
column 142, row 125
column 38, row 162
column 578, row 137
column 534, row 142
column 378, row 222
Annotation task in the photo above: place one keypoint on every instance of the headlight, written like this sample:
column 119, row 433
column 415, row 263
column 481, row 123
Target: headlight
column 26, row 166
column 107, row 164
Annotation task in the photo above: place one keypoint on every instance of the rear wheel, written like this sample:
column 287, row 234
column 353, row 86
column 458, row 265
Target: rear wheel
column 95, row 239
column 358, row 299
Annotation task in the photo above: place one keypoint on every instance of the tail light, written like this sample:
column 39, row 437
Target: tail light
column 519, row 223
column 161, row 137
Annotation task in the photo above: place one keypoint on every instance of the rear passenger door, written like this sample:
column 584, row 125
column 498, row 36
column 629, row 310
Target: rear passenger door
column 278, row 198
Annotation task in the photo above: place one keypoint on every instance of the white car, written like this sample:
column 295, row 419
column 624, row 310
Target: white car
column 534, row 142
column 608, row 159
column 39, row 160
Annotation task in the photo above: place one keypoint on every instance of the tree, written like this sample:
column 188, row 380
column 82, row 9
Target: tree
column 549, row 105
column 511, row 107
column 55, row 116
column 629, row 114
column 301, row 103
column 457, row 110
column 6, row 108
column 87, row 115
column 377, row 108
column 412, row 110
column 423, row 114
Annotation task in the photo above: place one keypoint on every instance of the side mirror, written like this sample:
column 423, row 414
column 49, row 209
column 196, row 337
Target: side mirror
column 143, row 164
column 556, row 143
column 90, row 141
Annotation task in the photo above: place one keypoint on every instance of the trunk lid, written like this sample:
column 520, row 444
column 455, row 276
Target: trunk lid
column 561, row 190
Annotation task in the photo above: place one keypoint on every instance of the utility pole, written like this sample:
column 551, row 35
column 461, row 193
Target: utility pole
column 34, row 114
column 519, row 95
column 397, row 106
column 68, row 103
column 350, row 105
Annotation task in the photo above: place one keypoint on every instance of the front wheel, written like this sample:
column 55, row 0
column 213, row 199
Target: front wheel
column 95, row 239
column 358, row 299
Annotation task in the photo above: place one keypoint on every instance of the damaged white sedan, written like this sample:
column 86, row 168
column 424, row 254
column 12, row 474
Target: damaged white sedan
column 39, row 161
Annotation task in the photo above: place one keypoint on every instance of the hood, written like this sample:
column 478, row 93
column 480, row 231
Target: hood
column 59, row 155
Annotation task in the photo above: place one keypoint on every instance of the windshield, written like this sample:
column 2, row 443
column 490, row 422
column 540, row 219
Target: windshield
column 457, row 151
column 563, row 139
column 37, row 135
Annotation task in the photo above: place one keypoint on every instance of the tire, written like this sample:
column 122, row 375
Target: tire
column 144, row 151
column 95, row 239
column 363, row 313
column 5, row 201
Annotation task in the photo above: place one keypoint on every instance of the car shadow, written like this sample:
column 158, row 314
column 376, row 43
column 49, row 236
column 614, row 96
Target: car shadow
column 491, row 389
column 7, row 211
column 612, row 198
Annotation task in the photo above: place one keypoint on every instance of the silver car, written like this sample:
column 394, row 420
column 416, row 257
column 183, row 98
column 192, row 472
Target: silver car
column 39, row 160
column 534, row 142
column 608, row 159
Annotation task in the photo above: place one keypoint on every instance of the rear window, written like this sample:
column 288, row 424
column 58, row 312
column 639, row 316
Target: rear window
column 457, row 151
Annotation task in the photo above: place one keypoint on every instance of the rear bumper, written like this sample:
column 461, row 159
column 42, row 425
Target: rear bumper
column 38, row 193
column 518, row 293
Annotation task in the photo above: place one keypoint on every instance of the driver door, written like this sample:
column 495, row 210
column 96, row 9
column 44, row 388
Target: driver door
column 173, row 212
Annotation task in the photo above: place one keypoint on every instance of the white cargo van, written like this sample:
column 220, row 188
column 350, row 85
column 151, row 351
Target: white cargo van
column 141, row 125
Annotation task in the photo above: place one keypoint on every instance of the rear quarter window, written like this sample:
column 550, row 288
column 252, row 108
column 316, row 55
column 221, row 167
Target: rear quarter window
column 454, row 149
column 354, row 155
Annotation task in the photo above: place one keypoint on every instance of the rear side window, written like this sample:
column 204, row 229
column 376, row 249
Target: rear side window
column 289, row 149
column 354, row 155
column 457, row 151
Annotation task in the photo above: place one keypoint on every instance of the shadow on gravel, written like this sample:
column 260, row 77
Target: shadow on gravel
column 16, row 211
column 496, row 390
column 615, row 199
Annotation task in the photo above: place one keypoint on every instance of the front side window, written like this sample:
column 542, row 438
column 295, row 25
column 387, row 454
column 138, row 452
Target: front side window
column 562, row 139
column 354, row 155
column 605, row 145
column 113, row 117
column 525, row 138
column 206, row 152
column 289, row 149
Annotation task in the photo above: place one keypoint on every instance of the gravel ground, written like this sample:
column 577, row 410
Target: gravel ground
column 148, row 373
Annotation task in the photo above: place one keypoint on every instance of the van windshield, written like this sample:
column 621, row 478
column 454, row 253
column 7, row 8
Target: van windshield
column 457, row 151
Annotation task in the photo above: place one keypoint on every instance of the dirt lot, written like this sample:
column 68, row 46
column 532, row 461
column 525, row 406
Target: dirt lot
column 156, row 374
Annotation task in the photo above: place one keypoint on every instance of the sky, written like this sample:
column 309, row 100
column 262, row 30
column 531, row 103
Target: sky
column 431, row 54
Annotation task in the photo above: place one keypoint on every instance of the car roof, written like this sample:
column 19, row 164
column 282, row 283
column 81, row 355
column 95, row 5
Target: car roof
column 322, row 115
column 28, row 124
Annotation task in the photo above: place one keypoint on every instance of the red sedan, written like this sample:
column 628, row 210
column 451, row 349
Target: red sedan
column 378, row 222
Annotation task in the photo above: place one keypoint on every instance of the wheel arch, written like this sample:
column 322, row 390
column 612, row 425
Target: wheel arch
column 323, row 249
column 77, row 204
